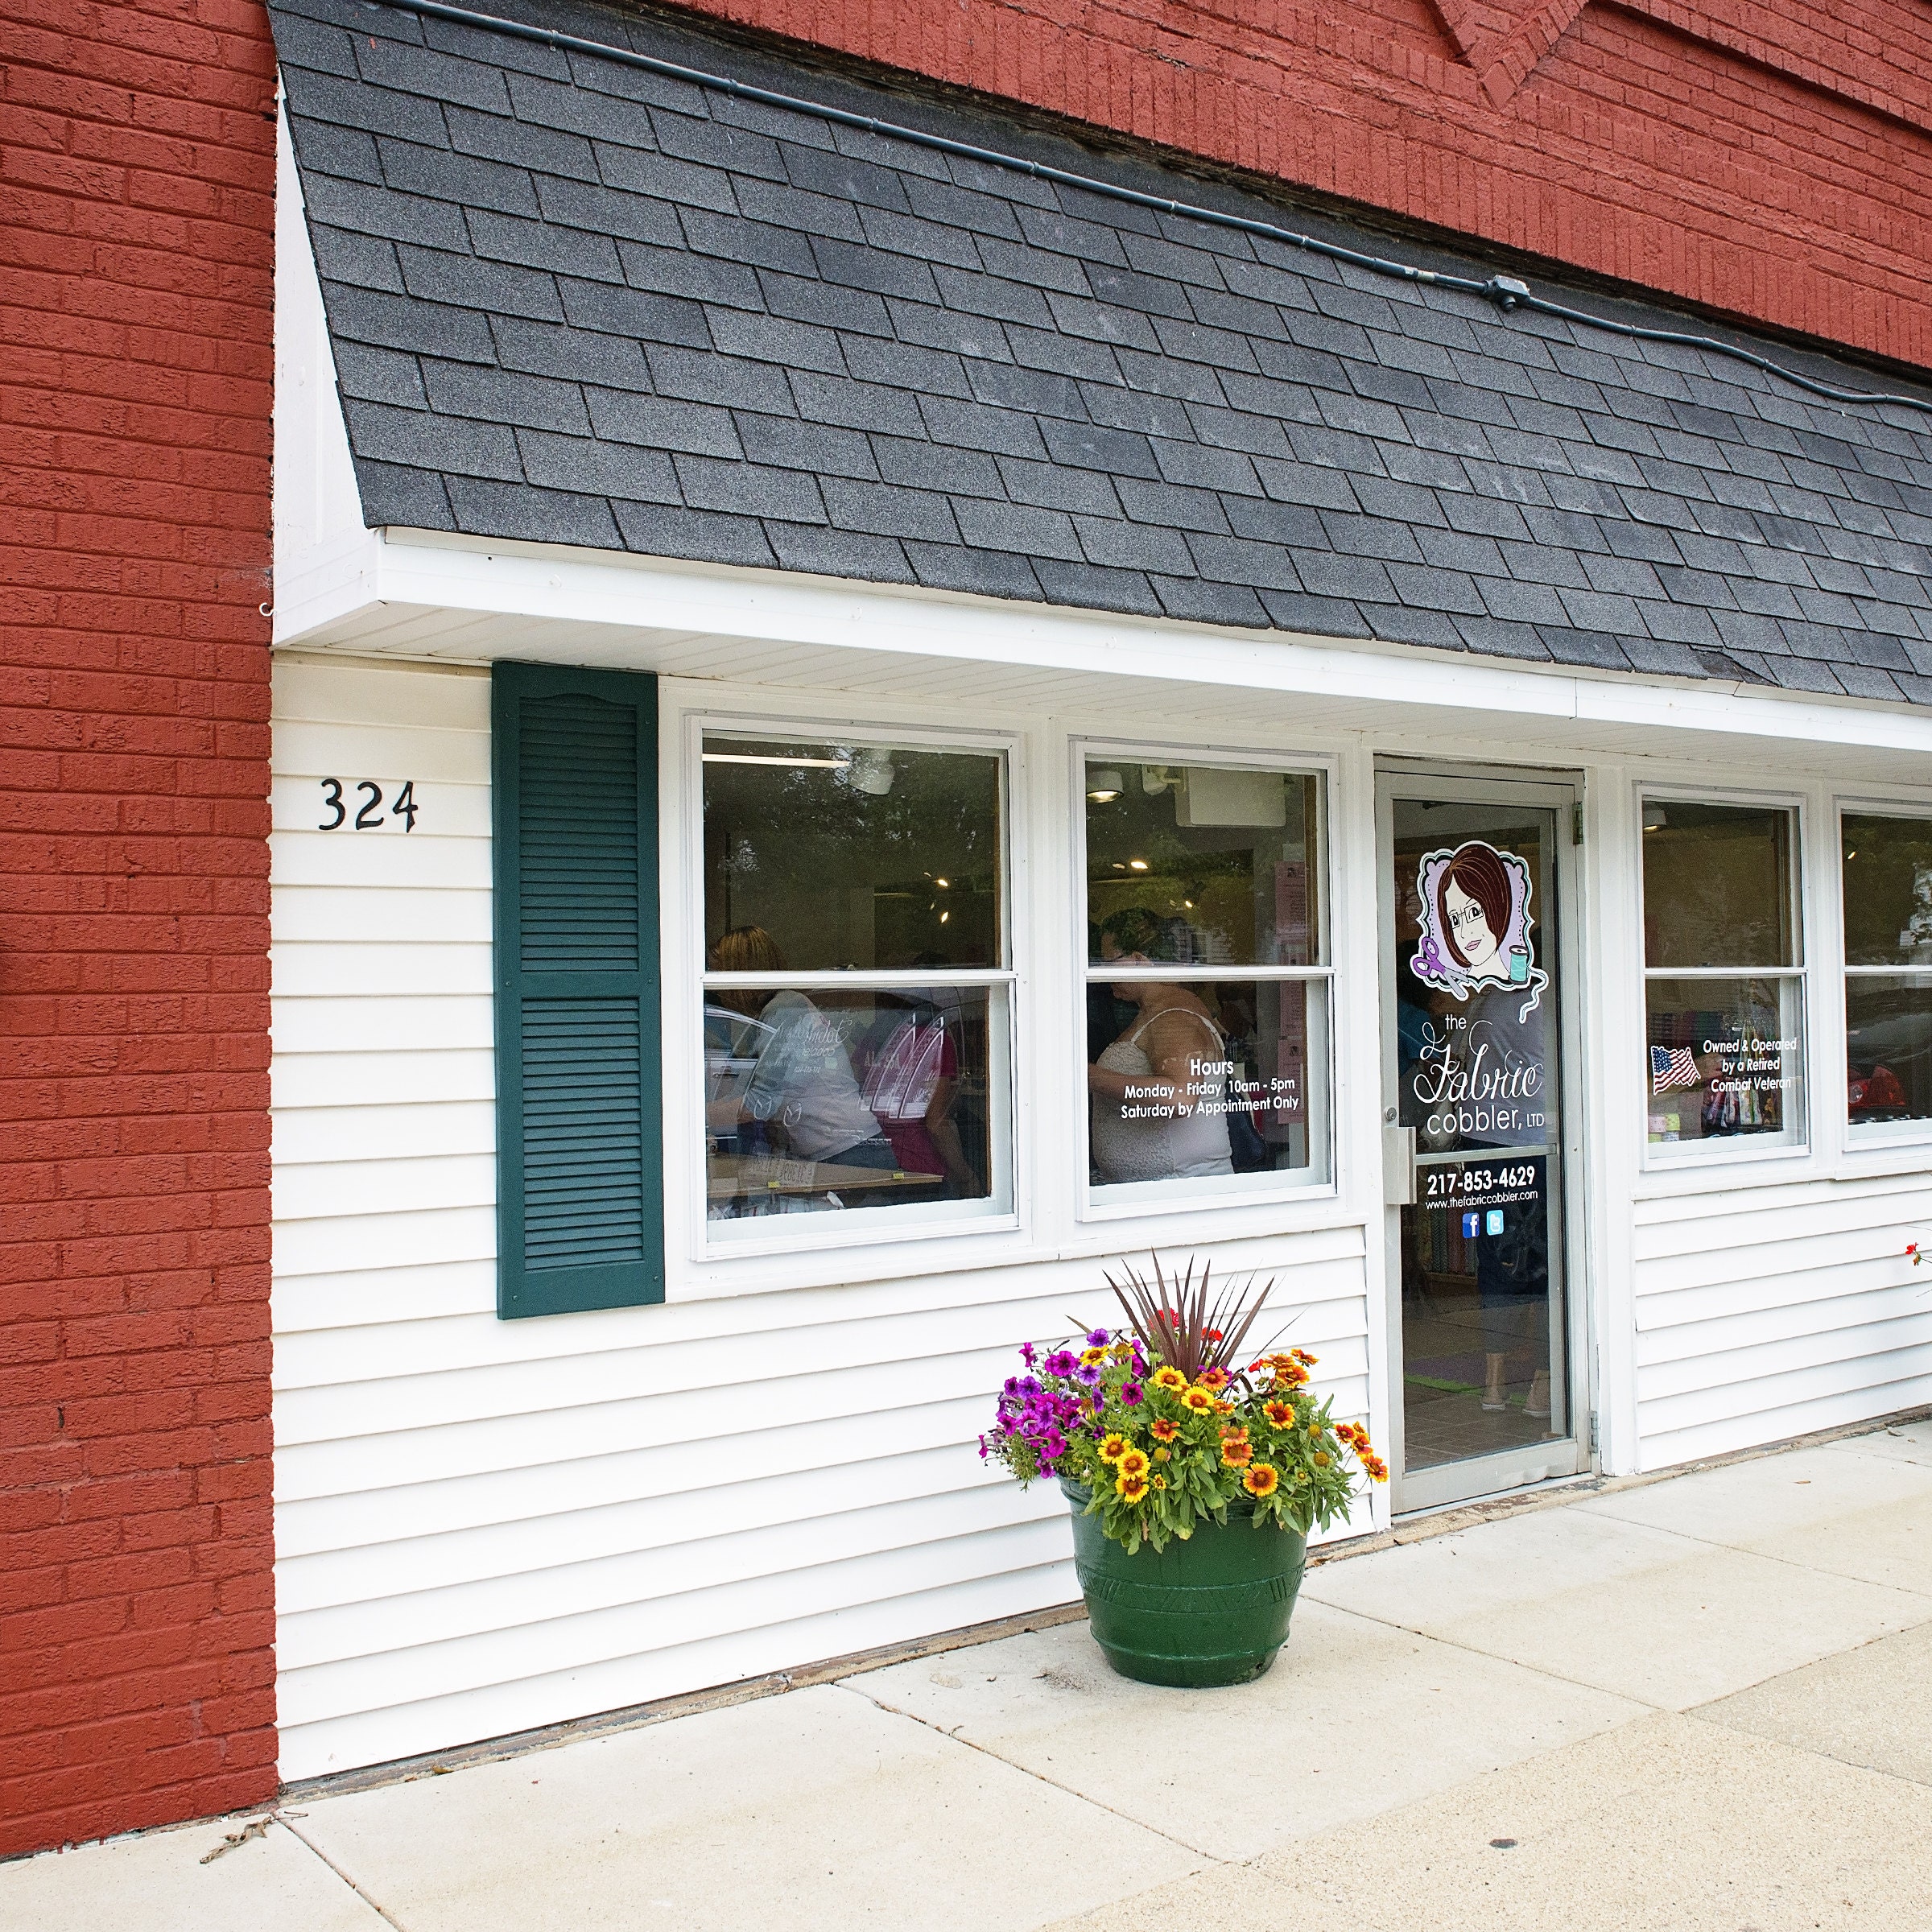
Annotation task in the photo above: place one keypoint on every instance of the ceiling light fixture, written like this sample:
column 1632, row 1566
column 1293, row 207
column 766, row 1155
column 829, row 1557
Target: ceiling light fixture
column 1106, row 785
column 746, row 758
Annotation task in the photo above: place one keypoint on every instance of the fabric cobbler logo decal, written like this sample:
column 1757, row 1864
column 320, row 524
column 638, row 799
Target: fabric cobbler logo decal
column 1475, row 924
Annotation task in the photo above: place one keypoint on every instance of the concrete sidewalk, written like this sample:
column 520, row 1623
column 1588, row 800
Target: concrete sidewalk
column 1704, row 1703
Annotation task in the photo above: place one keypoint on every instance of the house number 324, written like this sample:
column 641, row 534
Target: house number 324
column 368, row 817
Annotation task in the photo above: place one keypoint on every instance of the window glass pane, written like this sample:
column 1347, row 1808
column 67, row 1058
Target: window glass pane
column 835, row 855
column 1889, row 1044
column 837, row 1100
column 1219, row 1078
column 1888, row 891
column 1717, row 885
column 1199, row 865
column 1724, row 1059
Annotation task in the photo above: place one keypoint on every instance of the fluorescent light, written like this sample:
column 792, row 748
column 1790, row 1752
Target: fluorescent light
column 746, row 758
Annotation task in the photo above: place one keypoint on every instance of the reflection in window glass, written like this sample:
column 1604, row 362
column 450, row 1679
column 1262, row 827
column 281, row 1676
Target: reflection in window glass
column 1206, row 994
column 1201, row 866
column 830, row 1100
column 1202, row 1079
column 1888, row 875
column 1717, row 886
column 1725, row 1058
column 854, row 857
column 881, row 1086
column 1888, row 1045
column 1724, row 1043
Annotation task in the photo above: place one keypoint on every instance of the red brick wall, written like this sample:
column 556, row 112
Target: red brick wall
column 1774, row 161
column 136, row 1598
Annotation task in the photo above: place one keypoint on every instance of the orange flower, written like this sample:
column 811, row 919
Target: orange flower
column 1377, row 1469
column 1163, row 1429
column 1216, row 1379
column 1133, row 1463
column 1198, row 1400
column 1236, row 1450
column 1131, row 1488
column 1303, row 1356
column 1264, row 1479
column 1291, row 1375
column 1280, row 1414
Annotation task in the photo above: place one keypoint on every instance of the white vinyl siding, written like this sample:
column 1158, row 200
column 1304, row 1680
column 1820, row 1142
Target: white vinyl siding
column 1770, row 1311
column 483, row 1527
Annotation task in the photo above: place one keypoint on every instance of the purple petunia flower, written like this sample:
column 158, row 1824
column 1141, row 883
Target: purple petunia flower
column 1098, row 1338
column 1063, row 1361
column 1130, row 1392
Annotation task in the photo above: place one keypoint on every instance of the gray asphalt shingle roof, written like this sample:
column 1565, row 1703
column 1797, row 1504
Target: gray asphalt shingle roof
column 574, row 302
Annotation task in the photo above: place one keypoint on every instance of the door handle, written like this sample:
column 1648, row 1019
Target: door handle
column 1398, row 1167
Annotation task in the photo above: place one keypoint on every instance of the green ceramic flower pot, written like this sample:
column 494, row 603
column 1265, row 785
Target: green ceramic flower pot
column 1211, row 1610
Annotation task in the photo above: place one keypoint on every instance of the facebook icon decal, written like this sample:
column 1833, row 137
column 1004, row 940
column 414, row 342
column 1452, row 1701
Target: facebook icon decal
column 1471, row 1226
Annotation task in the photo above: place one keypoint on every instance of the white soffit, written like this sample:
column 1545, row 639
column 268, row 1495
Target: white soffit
column 427, row 595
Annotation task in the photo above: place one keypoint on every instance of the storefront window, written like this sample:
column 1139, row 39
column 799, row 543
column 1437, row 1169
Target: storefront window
column 1888, row 875
column 1206, row 980
column 1723, row 979
column 856, row 991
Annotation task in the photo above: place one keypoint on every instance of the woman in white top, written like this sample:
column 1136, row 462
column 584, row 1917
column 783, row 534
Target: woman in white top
column 802, row 1090
column 1160, row 1090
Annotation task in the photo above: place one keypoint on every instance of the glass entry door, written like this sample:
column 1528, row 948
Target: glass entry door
column 1474, row 873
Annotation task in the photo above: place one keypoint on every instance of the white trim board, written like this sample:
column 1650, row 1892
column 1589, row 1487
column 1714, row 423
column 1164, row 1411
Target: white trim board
column 426, row 595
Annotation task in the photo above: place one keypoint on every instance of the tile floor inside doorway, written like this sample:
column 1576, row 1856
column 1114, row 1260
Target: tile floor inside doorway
column 1443, row 1418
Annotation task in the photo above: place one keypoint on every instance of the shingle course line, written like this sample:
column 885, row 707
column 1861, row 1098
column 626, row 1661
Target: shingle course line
column 1197, row 412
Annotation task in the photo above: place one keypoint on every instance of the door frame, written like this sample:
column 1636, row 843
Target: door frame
column 1562, row 792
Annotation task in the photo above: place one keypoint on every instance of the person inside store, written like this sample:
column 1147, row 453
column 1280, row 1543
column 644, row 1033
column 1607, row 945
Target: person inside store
column 1160, row 1088
column 802, row 1098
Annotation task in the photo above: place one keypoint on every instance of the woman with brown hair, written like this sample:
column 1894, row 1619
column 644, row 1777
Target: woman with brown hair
column 1474, row 902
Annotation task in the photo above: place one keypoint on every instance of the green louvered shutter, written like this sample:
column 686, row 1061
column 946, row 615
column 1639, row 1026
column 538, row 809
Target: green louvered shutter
column 579, row 1218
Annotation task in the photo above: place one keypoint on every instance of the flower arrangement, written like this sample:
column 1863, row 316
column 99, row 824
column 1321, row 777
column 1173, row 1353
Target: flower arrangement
column 1162, row 1429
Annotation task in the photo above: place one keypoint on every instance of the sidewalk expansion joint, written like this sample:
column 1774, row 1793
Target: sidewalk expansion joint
column 1000, row 1757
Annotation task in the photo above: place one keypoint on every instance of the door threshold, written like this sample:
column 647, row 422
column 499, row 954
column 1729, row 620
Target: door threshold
column 1489, row 1501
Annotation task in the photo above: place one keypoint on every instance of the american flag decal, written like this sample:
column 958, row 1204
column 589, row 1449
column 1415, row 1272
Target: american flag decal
column 1672, row 1067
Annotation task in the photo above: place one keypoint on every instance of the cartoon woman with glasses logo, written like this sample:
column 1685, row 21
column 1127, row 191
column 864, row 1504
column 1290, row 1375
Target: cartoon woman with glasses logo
column 1475, row 923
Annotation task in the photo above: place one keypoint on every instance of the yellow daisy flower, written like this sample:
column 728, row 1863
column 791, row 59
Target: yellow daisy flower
column 1264, row 1479
column 1169, row 1377
column 1133, row 1463
column 1113, row 1448
column 1198, row 1400
column 1131, row 1488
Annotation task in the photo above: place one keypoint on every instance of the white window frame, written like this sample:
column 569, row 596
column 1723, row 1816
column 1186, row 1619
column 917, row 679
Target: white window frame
column 1665, row 1156
column 871, row 1227
column 1861, row 1136
column 1141, row 1200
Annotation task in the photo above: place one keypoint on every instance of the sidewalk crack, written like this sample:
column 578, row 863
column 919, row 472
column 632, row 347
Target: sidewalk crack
column 283, row 1818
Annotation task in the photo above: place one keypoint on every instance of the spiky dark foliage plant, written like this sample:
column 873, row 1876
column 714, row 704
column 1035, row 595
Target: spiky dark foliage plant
column 1183, row 1320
